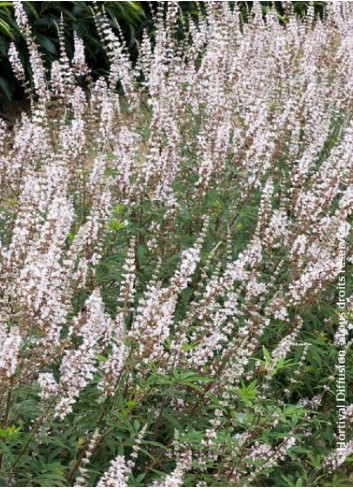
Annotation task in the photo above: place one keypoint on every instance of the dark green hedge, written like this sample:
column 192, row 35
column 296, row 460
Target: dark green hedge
column 132, row 17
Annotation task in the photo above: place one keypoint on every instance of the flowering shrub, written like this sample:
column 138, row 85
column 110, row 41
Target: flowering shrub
column 170, row 257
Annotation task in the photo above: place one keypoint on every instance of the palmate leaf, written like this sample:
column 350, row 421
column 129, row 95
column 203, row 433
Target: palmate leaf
column 52, row 476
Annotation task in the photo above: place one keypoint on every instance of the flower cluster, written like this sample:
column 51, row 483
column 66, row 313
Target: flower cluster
column 169, row 249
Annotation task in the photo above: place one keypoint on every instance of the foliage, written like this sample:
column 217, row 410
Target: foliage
column 170, row 256
column 132, row 17
column 77, row 16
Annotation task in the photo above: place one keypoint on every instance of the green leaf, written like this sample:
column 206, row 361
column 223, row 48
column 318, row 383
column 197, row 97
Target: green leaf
column 173, row 421
column 5, row 29
column 116, row 225
column 47, row 44
column 118, row 209
column 10, row 432
column 267, row 356
column 101, row 358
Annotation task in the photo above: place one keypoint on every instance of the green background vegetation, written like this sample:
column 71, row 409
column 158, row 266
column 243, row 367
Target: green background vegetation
column 132, row 18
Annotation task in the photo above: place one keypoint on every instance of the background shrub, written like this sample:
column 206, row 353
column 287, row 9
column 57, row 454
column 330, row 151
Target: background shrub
column 132, row 18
